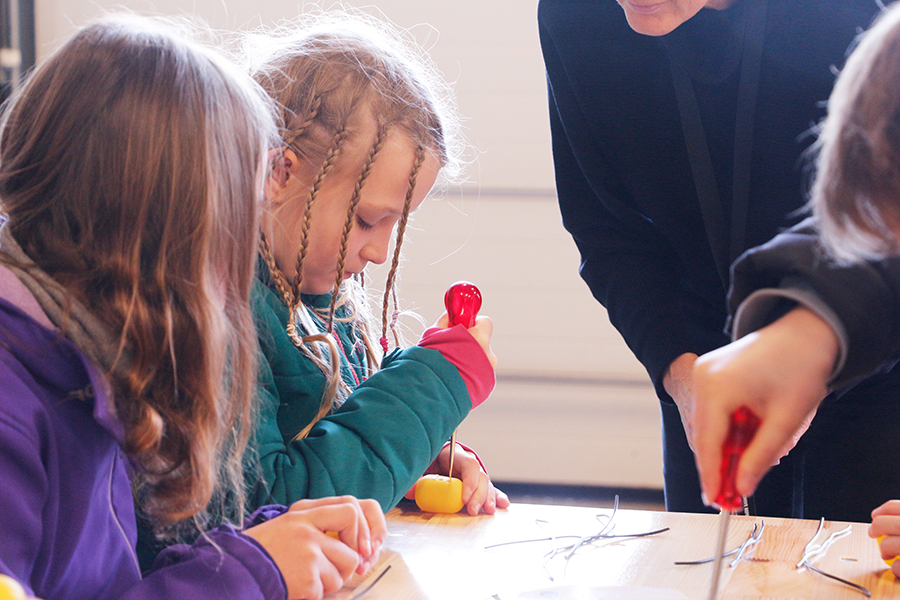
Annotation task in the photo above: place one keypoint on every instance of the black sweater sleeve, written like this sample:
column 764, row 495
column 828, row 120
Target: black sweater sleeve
column 629, row 267
column 864, row 297
column 623, row 172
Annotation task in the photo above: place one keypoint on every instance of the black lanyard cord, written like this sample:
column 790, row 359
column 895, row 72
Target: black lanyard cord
column 725, row 248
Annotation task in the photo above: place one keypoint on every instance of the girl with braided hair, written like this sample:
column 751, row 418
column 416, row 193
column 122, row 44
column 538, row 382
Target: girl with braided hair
column 365, row 137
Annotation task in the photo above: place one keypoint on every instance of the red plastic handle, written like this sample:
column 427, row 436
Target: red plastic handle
column 741, row 430
column 463, row 301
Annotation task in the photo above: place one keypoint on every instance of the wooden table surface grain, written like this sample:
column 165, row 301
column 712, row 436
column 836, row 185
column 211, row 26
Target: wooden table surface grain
column 450, row 557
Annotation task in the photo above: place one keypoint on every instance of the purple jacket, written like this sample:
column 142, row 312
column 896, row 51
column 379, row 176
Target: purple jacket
column 67, row 522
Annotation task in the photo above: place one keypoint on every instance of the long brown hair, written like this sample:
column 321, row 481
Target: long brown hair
column 332, row 74
column 856, row 193
column 129, row 172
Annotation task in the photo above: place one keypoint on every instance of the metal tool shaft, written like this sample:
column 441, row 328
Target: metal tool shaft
column 741, row 430
column 452, row 452
column 720, row 551
column 462, row 301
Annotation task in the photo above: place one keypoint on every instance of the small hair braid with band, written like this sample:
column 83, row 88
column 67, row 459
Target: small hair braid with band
column 327, row 165
column 389, row 288
column 380, row 138
column 298, row 132
column 281, row 282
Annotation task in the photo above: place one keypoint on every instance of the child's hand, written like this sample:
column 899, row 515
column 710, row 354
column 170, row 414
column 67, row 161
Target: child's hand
column 478, row 492
column 886, row 523
column 363, row 530
column 313, row 563
column 481, row 331
column 780, row 373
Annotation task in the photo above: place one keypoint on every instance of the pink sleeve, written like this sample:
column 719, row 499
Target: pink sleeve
column 458, row 346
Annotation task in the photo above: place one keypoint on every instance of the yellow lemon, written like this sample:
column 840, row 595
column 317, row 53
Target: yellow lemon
column 10, row 589
column 889, row 561
column 439, row 494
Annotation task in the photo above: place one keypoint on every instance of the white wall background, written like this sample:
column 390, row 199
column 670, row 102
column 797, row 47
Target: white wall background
column 572, row 404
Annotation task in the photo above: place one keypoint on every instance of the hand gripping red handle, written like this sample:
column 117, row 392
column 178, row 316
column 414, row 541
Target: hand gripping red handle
column 741, row 430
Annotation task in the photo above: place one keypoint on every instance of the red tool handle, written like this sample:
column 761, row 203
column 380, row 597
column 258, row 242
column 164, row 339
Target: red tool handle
column 463, row 301
column 744, row 424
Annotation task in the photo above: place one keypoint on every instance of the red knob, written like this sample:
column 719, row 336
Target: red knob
column 741, row 430
column 463, row 301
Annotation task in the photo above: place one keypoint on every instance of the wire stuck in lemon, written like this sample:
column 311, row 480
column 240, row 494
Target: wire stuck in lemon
column 439, row 494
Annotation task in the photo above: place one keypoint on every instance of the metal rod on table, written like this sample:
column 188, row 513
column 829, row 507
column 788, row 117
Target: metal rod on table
column 720, row 551
column 452, row 452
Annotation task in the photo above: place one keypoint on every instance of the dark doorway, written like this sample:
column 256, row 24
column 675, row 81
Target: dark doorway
column 17, row 46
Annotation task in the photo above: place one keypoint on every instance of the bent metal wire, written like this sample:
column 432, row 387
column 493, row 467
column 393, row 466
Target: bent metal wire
column 569, row 549
column 753, row 539
column 814, row 551
column 811, row 553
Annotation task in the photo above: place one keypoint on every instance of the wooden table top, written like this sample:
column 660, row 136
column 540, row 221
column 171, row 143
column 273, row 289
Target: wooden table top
column 448, row 556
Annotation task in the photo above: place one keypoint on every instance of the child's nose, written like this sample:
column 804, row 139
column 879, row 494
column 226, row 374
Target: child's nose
column 376, row 250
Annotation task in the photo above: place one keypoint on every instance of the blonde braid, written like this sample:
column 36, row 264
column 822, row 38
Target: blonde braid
column 401, row 229
column 290, row 297
column 380, row 138
column 281, row 282
column 372, row 363
column 287, row 294
column 330, row 158
column 330, row 391
column 394, row 316
column 333, row 379
column 298, row 131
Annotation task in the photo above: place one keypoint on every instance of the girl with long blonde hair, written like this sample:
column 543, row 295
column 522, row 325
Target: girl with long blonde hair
column 131, row 166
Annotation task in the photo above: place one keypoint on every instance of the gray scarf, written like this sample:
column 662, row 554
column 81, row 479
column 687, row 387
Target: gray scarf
column 90, row 334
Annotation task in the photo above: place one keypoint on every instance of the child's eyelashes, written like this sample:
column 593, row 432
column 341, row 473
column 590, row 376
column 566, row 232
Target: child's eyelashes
column 362, row 224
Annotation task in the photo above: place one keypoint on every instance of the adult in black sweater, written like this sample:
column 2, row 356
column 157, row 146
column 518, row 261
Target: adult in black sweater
column 674, row 153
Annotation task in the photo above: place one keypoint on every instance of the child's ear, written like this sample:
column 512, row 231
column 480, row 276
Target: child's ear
column 281, row 162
